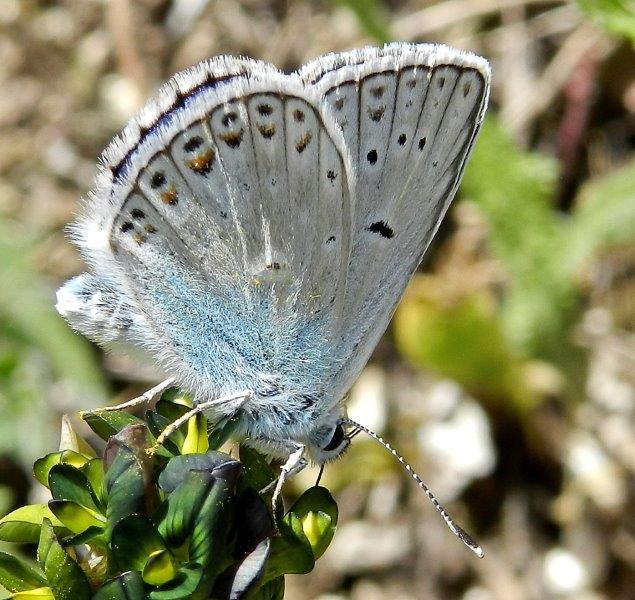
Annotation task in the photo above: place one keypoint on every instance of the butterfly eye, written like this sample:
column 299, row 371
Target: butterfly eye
column 336, row 440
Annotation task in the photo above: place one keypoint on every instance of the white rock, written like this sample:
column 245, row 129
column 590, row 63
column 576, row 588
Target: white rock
column 564, row 573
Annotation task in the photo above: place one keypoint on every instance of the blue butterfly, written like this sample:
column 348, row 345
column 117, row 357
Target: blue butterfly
column 253, row 231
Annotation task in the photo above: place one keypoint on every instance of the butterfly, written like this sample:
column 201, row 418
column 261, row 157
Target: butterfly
column 253, row 231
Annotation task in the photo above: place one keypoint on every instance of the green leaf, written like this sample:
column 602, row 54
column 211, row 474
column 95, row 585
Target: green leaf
column 317, row 512
column 156, row 424
column 272, row 590
column 109, row 423
column 173, row 404
column 125, row 487
column 618, row 16
column 43, row 465
column 63, row 574
column 217, row 464
column 182, row 586
column 76, row 517
column 94, row 536
column 68, row 483
column 160, row 568
column 290, row 551
column 222, row 432
column 17, row 575
column 23, row 525
column 94, row 472
column 257, row 473
column 182, row 505
column 42, row 593
column 128, row 586
column 211, row 524
column 134, row 539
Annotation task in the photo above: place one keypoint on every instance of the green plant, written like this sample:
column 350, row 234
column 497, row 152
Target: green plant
column 184, row 521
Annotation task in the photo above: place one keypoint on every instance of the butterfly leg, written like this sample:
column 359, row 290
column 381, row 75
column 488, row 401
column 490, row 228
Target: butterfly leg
column 295, row 463
column 236, row 401
column 145, row 398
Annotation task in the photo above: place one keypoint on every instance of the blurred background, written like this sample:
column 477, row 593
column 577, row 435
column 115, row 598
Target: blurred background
column 507, row 377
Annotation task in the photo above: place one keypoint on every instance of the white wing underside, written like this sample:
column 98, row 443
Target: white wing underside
column 312, row 195
column 409, row 116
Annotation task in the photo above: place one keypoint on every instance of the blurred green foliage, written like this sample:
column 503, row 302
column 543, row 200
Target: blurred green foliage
column 542, row 251
column 371, row 18
column 37, row 348
column 618, row 16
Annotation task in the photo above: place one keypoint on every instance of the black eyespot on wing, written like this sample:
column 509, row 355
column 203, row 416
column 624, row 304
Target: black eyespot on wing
column 401, row 140
column 137, row 213
column 193, row 143
column 330, row 239
column 381, row 228
column 265, row 109
column 372, row 157
column 377, row 92
column 158, row 179
column 422, row 143
column 298, row 115
column 336, row 440
column 127, row 226
column 229, row 118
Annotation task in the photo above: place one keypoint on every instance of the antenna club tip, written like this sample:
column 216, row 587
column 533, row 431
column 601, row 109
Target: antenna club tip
column 469, row 541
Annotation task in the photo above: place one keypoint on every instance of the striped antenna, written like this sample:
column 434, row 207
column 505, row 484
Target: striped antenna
column 454, row 528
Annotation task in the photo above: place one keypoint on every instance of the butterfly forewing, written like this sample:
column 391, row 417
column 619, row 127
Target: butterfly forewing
column 409, row 116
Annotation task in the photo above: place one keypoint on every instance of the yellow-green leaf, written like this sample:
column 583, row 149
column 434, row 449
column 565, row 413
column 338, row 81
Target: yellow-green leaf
column 23, row 524
column 43, row 593
column 196, row 441
column 75, row 517
column 159, row 569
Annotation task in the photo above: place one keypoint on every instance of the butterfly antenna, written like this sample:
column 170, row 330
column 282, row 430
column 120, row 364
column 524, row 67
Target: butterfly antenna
column 454, row 528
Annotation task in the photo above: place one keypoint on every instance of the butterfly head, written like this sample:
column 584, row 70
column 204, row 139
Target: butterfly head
column 328, row 440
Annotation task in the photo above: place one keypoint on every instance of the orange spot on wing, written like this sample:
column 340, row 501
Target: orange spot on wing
column 170, row 196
